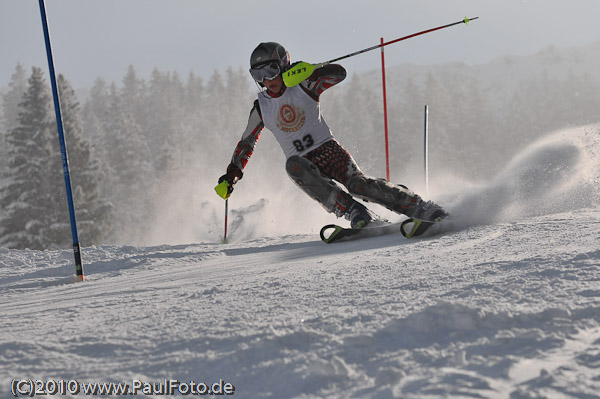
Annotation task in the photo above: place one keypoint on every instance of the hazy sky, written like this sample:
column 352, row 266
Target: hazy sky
column 100, row 38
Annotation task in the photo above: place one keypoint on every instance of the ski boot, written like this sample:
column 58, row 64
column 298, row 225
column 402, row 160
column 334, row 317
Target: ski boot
column 358, row 215
column 429, row 211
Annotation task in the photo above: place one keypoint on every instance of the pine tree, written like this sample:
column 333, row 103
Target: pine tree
column 95, row 114
column 133, row 93
column 238, row 93
column 129, row 180
column 13, row 97
column 95, row 110
column 216, row 101
column 28, row 149
column 91, row 209
column 194, row 120
column 194, row 94
column 164, row 122
column 10, row 110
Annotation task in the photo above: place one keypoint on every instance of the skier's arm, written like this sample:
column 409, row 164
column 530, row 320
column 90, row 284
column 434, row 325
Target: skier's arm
column 245, row 147
column 322, row 79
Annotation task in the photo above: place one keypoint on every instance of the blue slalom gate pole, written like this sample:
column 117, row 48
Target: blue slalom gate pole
column 63, row 146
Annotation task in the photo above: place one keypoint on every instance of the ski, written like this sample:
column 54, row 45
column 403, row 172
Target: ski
column 415, row 227
column 409, row 228
column 334, row 233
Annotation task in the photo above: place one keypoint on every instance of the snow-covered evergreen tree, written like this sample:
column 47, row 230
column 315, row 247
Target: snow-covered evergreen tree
column 194, row 93
column 13, row 97
column 91, row 209
column 129, row 181
column 10, row 110
column 133, row 94
column 25, row 189
column 212, row 110
column 165, row 118
column 95, row 111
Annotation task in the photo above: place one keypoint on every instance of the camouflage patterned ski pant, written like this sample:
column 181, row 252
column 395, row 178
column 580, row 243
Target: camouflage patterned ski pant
column 316, row 173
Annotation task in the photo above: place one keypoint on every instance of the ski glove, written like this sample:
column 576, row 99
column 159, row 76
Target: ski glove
column 298, row 72
column 226, row 182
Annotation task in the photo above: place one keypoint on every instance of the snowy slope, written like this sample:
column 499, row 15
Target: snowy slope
column 505, row 303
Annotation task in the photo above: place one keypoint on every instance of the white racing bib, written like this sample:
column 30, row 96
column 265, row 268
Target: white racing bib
column 295, row 120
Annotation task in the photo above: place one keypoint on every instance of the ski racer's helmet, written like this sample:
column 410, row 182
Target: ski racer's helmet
column 268, row 61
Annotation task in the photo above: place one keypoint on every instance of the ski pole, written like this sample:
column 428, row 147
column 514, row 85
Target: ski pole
column 303, row 70
column 226, row 212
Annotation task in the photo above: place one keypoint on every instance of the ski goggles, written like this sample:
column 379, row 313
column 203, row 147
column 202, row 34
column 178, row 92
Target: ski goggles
column 266, row 71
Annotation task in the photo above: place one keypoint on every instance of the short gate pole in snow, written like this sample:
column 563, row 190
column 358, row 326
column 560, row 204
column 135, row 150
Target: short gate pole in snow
column 426, row 148
column 63, row 147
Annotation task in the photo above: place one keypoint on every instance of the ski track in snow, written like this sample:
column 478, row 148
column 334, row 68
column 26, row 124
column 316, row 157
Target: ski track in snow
column 504, row 303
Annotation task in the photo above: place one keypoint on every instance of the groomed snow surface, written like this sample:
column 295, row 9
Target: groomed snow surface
column 503, row 303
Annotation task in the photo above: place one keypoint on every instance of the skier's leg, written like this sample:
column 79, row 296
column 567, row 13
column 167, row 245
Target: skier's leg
column 322, row 189
column 335, row 162
column 325, row 191
column 394, row 197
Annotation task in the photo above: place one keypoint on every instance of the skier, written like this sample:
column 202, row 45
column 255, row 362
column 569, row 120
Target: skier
column 315, row 160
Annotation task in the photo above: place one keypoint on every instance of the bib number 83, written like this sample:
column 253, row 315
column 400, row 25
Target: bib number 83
column 306, row 142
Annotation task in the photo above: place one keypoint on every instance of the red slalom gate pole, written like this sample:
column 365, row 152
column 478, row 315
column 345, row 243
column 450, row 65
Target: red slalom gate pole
column 385, row 118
